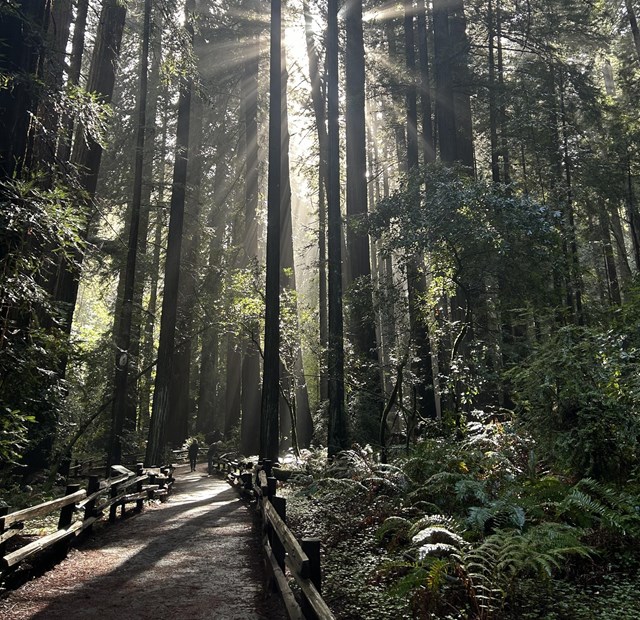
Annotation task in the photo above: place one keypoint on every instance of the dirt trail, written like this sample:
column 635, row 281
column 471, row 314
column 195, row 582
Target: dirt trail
column 196, row 556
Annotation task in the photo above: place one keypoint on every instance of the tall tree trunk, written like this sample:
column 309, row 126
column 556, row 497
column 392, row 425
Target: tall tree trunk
column 148, row 348
column 493, row 108
column 132, row 419
column 161, row 406
column 338, row 433
column 613, row 286
column 269, row 431
column 502, row 104
column 233, row 385
column 320, row 118
column 210, row 417
column 182, row 408
column 633, row 22
column 623, row 268
column 425, row 403
column 22, row 27
column 410, row 87
column 87, row 153
column 461, row 84
column 445, row 118
column 53, row 70
column 249, row 438
column 73, row 77
column 300, row 425
column 632, row 212
column 428, row 146
column 574, row 269
column 395, row 58
column 123, row 361
column 361, row 316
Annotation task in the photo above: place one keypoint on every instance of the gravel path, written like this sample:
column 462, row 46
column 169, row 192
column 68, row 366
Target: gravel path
column 196, row 556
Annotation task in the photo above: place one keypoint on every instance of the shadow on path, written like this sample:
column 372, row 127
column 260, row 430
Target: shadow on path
column 196, row 556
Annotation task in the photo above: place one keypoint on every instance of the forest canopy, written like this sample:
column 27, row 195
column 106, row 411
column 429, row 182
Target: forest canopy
column 328, row 224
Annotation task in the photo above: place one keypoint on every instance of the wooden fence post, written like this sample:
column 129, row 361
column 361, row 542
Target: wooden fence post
column 4, row 510
column 139, row 472
column 266, row 465
column 114, row 507
column 272, row 484
column 280, row 505
column 311, row 546
column 66, row 512
column 92, row 487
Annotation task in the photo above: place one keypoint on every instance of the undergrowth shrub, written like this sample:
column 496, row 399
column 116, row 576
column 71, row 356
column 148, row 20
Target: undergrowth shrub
column 463, row 528
column 577, row 395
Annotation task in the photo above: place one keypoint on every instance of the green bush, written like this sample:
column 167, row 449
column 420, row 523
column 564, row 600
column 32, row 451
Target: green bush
column 577, row 395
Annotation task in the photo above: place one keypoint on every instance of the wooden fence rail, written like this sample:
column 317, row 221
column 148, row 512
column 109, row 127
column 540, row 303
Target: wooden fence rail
column 282, row 550
column 81, row 508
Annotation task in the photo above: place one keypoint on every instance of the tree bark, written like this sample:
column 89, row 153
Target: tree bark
column 249, row 438
column 633, row 22
column 445, row 117
column 320, row 118
column 461, row 84
column 303, row 428
column 360, row 312
column 502, row 105
column 179, row 423
column 123, row 361
column 613, row 286
column 428, row 146
column 338, row 427
column 410, row 87
column 22, row 28
column 73, row 78
column 424, row 394
column 161, row 406
column 493, row 108
column 210, row 417
column 53, row 69
column 269, row 431
column 88, row 154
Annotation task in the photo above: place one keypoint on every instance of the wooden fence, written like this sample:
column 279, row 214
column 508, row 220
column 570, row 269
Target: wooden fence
column 284, row 554
column 81, row 508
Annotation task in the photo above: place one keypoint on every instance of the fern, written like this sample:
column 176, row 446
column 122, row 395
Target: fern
column 435, row 520
column 395, row 529
column 490, row 569
column 501, row 514
column 471, row 489
column 428, row 577
column 591, row 503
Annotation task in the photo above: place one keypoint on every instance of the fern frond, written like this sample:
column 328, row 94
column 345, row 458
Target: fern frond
column 394, row 528
column 435, row 520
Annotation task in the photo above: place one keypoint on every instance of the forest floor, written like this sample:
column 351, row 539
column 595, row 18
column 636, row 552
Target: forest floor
column 195, row 556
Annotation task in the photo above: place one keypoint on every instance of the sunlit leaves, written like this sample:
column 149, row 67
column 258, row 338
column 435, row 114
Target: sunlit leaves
column 471, row 231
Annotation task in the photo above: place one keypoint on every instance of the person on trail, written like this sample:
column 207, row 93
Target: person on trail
column 193, row 454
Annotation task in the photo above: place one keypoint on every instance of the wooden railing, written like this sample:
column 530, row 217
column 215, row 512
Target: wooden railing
column 282, row 550
column 81, row 508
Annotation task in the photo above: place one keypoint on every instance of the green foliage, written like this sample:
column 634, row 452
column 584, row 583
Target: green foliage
column 394, row 529
column 13, row 432
column 592, row 504
column 577, row 395
column 38, row 227
column 472, row 231
column 475, row 527
column 490, row 569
